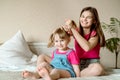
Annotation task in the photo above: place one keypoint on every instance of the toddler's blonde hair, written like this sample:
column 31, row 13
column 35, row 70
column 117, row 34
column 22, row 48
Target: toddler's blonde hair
column 62, row 34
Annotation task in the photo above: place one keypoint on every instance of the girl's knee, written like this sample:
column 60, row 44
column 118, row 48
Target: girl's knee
column 97, row 69
column 44, row 58
column 41, row 56
column 40, row 59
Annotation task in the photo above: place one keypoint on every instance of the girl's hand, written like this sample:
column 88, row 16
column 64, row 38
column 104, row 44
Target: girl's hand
column 67, row 29
column 69, row 23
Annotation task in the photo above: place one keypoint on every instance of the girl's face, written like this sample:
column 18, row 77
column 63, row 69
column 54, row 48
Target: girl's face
column 61, row 44
column 86, row 19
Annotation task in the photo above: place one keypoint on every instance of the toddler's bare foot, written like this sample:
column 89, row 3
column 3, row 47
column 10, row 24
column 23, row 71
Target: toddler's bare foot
column 28, row 74
column 44, row 74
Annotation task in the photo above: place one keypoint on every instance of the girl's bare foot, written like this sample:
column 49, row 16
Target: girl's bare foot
column 28, row 74
column 43, row 72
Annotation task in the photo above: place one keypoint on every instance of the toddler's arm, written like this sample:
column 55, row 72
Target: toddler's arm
column 76, row 70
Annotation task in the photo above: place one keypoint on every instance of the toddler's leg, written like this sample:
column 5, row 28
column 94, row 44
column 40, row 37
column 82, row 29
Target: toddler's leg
column 44, row 73
column 43, row 58
column 32, row 75
column 44, row 65
column 59, row 73
column 44, row 70
column 54, row 74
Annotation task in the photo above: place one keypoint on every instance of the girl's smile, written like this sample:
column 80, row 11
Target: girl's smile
column 61, row 44
column 86, row 19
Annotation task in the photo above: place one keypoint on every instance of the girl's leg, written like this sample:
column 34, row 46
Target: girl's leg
column 41, row 61
column 28, row 74
column 43, row 58
column 94, row 69
column 44, row 70
column 59, row 73
column 44, row 65
column 54, row 74
column 44, row 73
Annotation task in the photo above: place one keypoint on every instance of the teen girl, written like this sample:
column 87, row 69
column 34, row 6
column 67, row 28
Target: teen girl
column 89, row 38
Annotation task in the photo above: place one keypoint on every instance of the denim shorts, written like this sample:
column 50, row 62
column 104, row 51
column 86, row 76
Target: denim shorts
column 85, row 62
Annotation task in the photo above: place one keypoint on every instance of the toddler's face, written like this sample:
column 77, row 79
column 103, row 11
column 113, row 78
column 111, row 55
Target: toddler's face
column 61, row 44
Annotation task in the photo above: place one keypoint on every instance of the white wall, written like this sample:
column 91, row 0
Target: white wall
column 37, row 18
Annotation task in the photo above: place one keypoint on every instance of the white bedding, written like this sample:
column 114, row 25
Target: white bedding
column 14, row 68
column 29, row 67
column 115, row 77
column 112, row 75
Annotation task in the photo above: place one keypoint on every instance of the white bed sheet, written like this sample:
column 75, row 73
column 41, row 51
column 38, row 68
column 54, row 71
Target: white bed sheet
column 30, row 67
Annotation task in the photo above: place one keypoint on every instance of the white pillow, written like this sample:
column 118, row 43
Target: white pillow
column 15, row 51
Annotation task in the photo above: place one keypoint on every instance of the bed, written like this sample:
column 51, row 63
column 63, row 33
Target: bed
column 17, row 55
column 113, row 75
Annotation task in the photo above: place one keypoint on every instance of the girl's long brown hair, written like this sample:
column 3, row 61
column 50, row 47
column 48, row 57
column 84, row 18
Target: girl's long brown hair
column 95, row 26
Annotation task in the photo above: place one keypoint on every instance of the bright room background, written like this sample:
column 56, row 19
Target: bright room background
column 37, row 18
